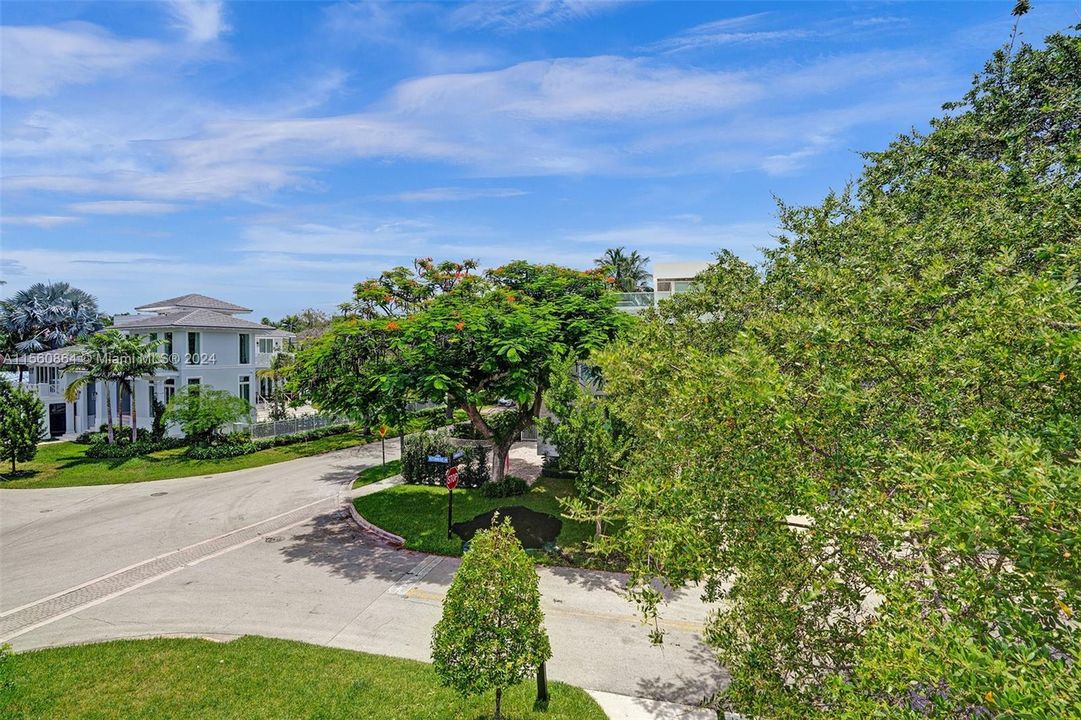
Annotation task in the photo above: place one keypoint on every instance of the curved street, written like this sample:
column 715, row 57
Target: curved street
column 270, row 551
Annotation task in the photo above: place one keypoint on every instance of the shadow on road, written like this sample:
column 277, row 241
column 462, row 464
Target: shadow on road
column 699, row 689
column 330, row 541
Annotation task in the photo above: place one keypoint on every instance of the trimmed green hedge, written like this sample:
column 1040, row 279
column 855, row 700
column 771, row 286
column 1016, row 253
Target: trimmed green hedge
column 235, row 449
column 509, row 487
column 417, row 470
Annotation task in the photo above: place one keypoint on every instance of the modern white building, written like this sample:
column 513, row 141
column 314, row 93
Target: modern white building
column 203, row 336
column 668, row 279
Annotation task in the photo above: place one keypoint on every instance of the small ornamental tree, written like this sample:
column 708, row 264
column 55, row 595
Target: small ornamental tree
column 491, row 634
column 21, row 423
column 201, row 411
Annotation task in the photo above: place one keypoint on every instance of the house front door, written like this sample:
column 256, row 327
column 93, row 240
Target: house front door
column 58, row 419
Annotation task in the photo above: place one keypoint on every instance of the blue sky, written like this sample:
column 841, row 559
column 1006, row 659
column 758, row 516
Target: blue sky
column 273, row 154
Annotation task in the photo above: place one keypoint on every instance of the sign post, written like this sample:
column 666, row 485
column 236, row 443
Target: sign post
column 383, row 442
column 452, row 482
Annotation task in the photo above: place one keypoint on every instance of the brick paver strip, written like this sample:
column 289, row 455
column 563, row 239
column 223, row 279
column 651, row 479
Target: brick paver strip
column 18, row 621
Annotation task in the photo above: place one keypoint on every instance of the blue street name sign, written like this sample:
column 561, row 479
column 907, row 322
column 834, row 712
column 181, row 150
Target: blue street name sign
column 438, row 458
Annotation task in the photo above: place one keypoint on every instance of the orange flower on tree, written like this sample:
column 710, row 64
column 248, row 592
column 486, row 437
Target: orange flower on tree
column 392, row 325
column 459, row 326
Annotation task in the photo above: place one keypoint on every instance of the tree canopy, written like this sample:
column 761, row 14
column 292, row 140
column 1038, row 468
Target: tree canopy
column 47, row 316
column 624, row 272
column 202, row 411
column 442, row 333
column 867, row 448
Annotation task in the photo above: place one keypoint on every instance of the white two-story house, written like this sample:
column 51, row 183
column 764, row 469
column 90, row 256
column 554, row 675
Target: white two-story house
column 203, row 336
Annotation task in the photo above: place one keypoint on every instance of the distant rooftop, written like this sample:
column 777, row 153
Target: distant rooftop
column 193, row 301
column 190, row 319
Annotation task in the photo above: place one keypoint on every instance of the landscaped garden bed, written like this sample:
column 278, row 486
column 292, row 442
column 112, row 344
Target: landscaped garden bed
column 418, row 513
column 254, row 678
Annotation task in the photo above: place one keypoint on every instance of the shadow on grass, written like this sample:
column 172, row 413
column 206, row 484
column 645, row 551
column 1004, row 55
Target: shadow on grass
column 18, row 475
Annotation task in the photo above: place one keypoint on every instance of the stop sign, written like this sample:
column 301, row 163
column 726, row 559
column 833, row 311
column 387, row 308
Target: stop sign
column 452, row 478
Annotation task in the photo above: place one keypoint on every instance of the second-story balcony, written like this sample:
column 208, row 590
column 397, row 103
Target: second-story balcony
column 634, row 302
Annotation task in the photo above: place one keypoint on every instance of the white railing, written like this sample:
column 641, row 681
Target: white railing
column 264, row 359
column 273, row 428
column 46, row 388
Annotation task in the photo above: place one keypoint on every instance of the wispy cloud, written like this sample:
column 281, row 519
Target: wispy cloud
column 123, row 207
column 39, row 61
column 729, row 31
column 200, row 20
column 513, row 15
column 39, row 221
column 451, row 194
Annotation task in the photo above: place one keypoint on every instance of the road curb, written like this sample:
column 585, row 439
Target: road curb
column 384, row 535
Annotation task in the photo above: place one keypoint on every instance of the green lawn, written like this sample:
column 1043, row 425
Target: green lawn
column 64, row 464
column 253, row 678
column 378, row 472
column 418, row 513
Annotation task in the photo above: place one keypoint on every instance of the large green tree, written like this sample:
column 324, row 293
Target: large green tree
column 201, row 411
column 867, row 448
column 491, row 635
column 442, row 333
column 22, row 423
column 46, row 316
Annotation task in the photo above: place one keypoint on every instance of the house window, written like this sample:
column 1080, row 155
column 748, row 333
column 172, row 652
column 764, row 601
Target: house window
column 245, row 387
column 153, row 338
column 168, row 343
column 123, row 399
column 153, row 394
column 91, row 399
column 245, row 348
column 44, row 375
column 170, row 388
column 266, row 345
column 195, row 381
column 194, row 343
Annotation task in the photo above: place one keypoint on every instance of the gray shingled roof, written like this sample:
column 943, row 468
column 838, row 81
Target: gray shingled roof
column 195, row 301
column 190, row 318
column 278, row 332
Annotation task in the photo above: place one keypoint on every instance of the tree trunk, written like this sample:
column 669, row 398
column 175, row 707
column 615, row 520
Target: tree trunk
column 134, row 416
column 499, row 460
column 109, row 414
column 12, row 462
column 598, row 527
column 498, row 702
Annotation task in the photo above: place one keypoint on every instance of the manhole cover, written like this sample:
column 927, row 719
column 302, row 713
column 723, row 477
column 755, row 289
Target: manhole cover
column 158, row 494
column 273, row 538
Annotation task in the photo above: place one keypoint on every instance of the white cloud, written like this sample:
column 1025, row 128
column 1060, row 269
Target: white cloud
column 452, row 194
column 200, row 20
column 729, row 31
column 38, row 60
column 123, row 207
column 40, row 221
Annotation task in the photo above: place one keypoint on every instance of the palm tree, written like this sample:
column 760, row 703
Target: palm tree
column 140, row 358
column 100, row 360
column 627, row 272
column 48, row 316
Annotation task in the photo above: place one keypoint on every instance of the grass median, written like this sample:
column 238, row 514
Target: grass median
column 418, row 513
column 64, row 464
column 253, row 678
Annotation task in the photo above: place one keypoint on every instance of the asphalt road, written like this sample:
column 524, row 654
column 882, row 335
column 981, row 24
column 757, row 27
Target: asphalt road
column 269, row 551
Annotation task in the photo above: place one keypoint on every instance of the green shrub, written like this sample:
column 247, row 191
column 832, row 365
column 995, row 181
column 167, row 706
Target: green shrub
column 221, row 451
column 125, row 448
column 509, row 487
column 417, row 470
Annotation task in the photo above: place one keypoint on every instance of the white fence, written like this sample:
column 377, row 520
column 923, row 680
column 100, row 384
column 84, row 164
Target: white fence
column 272, row 428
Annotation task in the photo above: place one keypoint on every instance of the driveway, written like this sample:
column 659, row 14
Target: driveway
column 269, row 551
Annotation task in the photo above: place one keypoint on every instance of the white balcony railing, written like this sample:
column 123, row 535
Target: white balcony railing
column 46, row 389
